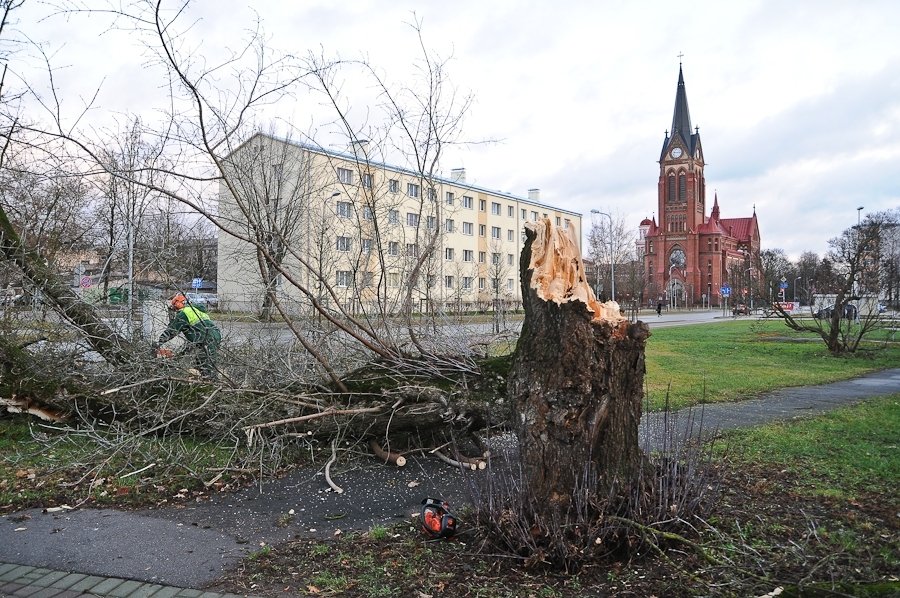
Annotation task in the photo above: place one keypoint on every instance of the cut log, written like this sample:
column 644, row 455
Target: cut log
column 577, row 377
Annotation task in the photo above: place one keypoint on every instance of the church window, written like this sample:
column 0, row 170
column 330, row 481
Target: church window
column 651, row 247
column 709, row 244
column 682, row 187
column 670, row 194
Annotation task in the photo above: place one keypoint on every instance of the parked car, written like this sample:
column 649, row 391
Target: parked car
column 205, row 300
column 196, row 299
column 741, row 309
column 824, row 313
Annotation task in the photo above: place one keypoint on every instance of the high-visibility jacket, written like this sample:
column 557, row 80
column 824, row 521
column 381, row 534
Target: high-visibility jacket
column 196, row 326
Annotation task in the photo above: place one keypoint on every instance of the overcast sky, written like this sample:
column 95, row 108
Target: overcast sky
column 798, row 103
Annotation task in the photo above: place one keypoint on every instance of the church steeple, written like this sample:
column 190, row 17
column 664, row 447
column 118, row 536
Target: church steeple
column 681, row 119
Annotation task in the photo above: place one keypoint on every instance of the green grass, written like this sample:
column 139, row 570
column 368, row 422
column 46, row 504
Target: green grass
column 838, row 455
column 740, row 359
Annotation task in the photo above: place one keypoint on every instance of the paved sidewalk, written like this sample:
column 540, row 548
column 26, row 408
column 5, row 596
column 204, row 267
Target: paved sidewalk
column 38, row 582
column 178, row 551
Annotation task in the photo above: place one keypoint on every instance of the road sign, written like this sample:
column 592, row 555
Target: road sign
column 85, row 282
column 782, row 285
column 726, row 291
column 195, row 284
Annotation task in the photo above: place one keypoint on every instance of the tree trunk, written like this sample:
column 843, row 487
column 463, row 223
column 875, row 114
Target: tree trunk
column 576, row 380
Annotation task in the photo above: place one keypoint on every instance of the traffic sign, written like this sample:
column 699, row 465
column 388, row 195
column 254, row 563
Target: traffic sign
column 726, row 291
column 195, row 284
column 782, row 285
column 85, row 282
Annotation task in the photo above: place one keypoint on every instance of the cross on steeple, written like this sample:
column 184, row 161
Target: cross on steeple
column 680, row 56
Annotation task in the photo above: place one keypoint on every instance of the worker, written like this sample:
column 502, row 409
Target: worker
column 201, row 333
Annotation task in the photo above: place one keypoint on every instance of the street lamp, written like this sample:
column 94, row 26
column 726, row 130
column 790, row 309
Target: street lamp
column 858, row 212
column 612, row 261
column 795, row 288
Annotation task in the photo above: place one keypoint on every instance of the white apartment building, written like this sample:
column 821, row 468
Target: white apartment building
column 355, row 234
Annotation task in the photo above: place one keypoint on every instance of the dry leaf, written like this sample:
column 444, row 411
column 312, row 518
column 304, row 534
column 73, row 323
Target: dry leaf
column 313, row 589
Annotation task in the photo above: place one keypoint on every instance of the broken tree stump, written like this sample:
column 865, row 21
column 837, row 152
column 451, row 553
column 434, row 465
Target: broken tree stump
column 576, row 380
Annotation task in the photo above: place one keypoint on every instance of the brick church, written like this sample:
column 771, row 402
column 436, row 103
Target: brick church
column 688, row 256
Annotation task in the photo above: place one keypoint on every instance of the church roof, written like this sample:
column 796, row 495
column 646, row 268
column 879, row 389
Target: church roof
column 740, row 228
column 646, row 222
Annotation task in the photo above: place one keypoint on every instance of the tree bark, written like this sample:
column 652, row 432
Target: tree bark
column 576, row 379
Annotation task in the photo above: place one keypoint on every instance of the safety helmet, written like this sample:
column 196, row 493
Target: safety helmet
column 178, row 301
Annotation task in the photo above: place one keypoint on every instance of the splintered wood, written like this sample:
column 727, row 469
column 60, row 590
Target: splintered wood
column 558, row 271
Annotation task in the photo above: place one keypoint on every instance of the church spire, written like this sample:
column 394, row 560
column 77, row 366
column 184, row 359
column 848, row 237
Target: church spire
column 681, row 119
column 715, row 208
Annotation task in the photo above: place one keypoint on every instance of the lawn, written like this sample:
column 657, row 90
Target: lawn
column 737, row 360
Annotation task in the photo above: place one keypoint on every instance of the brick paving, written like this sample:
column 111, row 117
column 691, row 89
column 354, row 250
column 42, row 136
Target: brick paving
column 21, row 581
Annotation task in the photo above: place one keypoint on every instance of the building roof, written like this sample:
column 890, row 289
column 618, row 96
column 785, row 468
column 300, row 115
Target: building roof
column 739, row 228
column 400, row 169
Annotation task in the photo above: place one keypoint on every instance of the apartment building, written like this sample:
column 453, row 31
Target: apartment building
column 347, row 231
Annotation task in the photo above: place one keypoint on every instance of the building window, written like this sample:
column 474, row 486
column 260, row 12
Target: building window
column 367, row 180
column 534, row 216
column 450, row 198
column 481, row 284
column 467, row 283
column 482, row 205
column 709, row 244
column 482, row 256
column 412, row 219
column 449, row 225
column 468, row 255
column 343, row 243
column 467, row 202
column 394, row 186
column 558, row 221
column 365, row 245
column 510, row 212
column 509, row 259
column 650, row 250
column 567, row 223
column 432, row 194
column 495, row 232
column 343, row 209
column 430, row 281
column 412, row 249
column 393, row 248
column 495, row 208
column 368, row 214
column 448, row 254
column 510, row 284
column 345, row 175
column 394, row 216
column 468, row 228
column 344, row 277
column 367, row 279
column 524, row 214
column 412, row 189
column 670, row 188
column 682, row 187
column 394, row 279
column 482, row 230
column 510, row 234
column 448, row 282
column 495, row 259
column 430, row 222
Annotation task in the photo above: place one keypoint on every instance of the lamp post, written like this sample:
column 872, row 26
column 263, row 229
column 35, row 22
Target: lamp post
column 612, row 261
column 858, row 212
column 795, row 288
column 673, row 301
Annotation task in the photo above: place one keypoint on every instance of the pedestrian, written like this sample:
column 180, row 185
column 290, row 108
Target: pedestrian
column 199, row 331
column 659, row 309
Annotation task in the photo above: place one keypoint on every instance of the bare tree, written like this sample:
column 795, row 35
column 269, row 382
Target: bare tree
column 854, row 257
